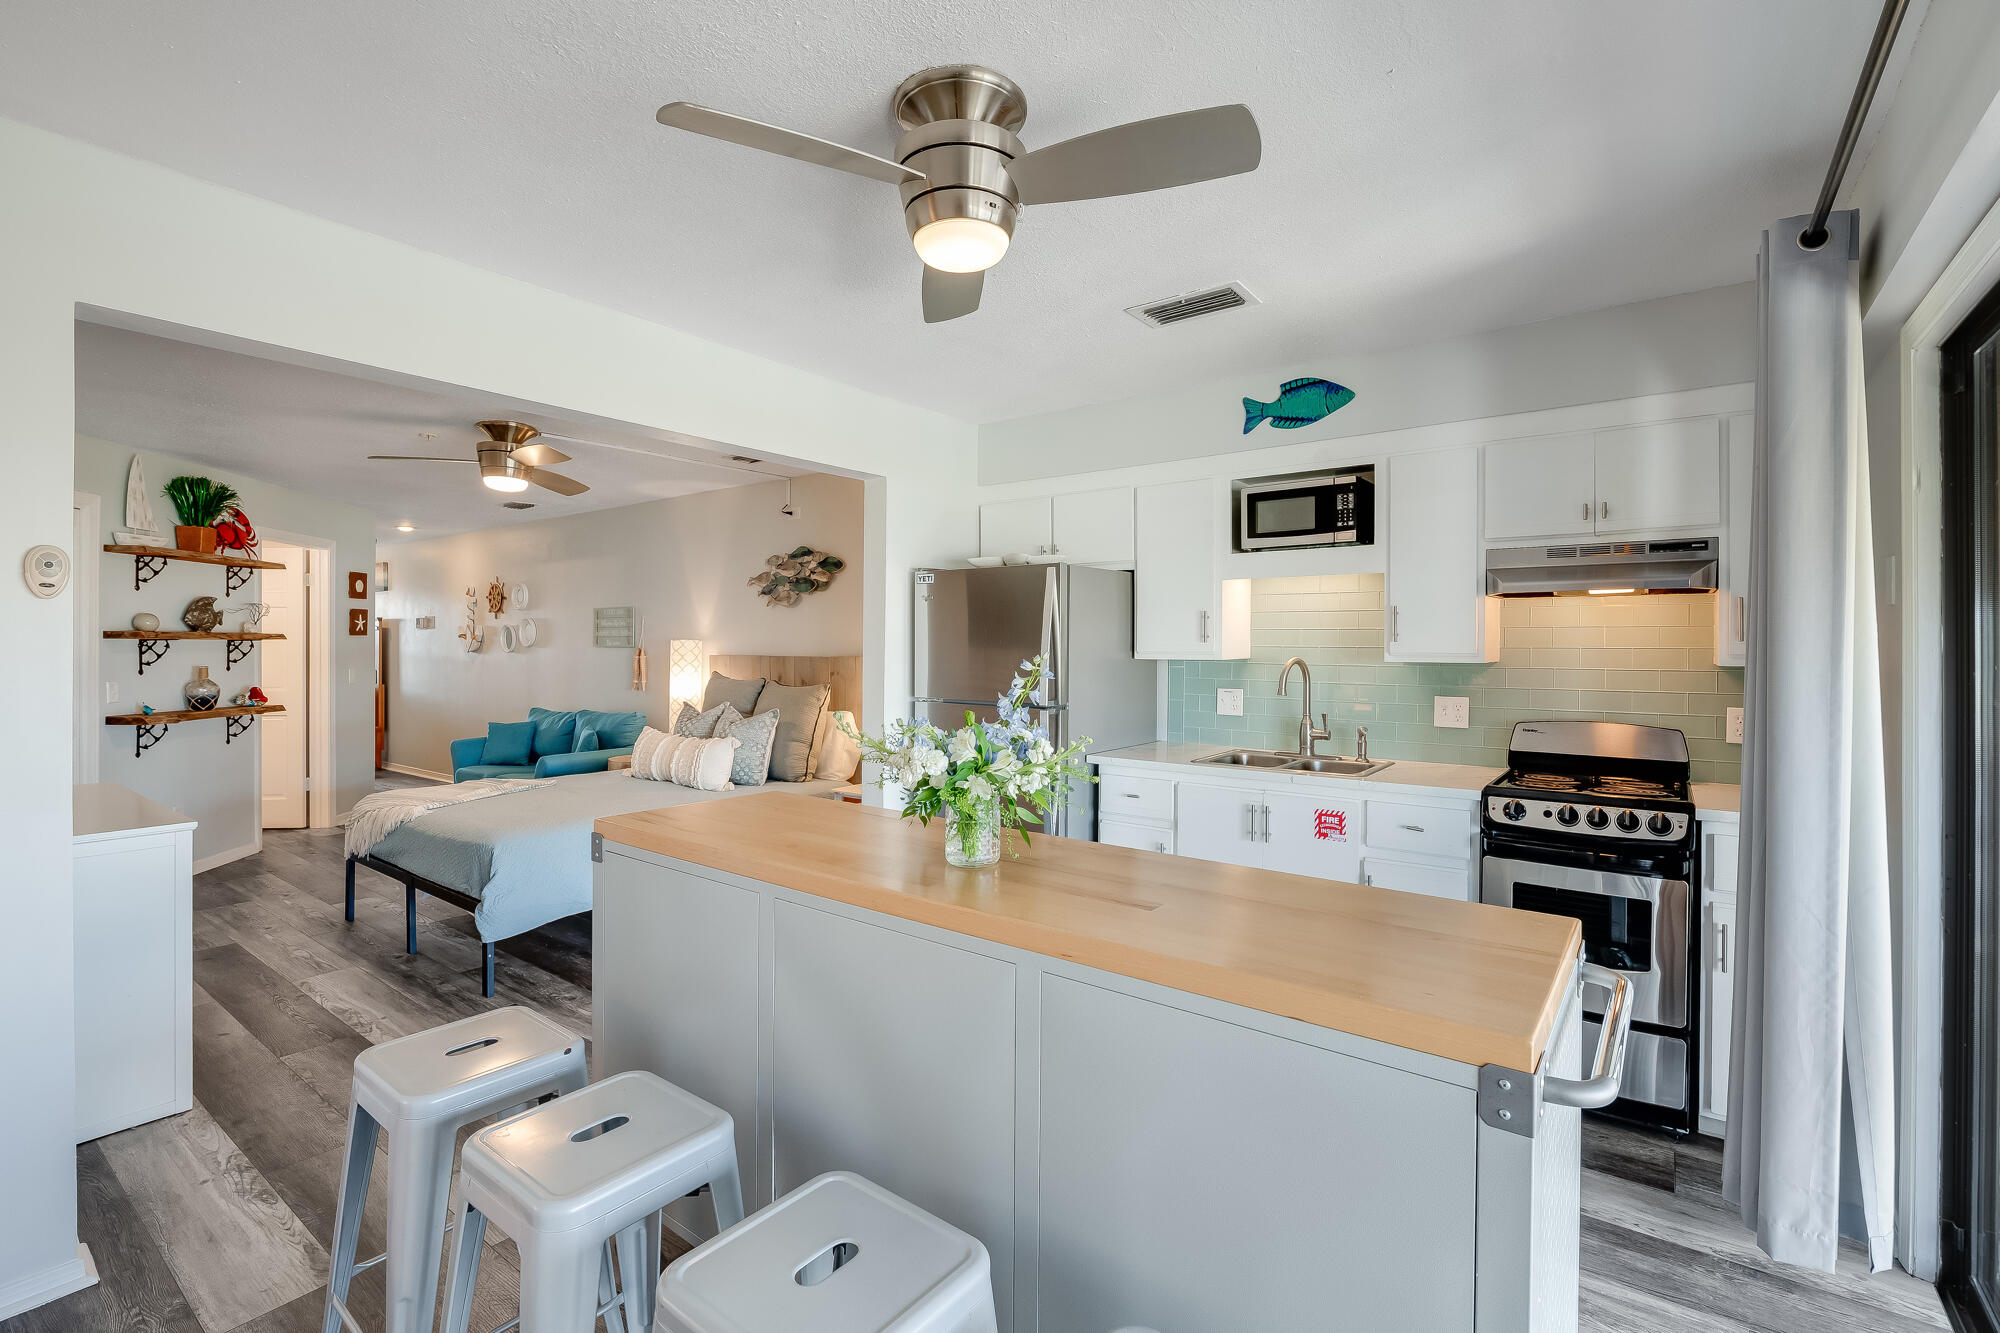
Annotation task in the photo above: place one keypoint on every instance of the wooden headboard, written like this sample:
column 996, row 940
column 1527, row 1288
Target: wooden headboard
column 842, row 673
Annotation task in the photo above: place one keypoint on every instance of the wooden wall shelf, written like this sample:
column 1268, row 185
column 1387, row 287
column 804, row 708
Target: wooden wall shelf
column 150, row 560
column 153, row 643
column 152, row 727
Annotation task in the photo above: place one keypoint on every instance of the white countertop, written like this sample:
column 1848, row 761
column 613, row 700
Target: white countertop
column 1715, row 801
column 107, row 810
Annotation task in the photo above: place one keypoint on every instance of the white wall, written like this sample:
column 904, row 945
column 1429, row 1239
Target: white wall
column 85, row 228
column 193, row 770
column 1693, row 341
column 683, row 564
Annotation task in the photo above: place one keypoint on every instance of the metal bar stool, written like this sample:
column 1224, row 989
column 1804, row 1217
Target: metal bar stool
column 566, row 1177
column 839, row 1254
column 423, row 1089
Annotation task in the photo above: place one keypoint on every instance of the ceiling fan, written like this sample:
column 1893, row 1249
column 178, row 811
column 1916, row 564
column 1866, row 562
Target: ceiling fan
column 508, row 460
column 965, row 176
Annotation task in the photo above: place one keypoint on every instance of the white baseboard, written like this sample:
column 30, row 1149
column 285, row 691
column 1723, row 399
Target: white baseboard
column 224, row 858
column 39, row 1289
column 411, row 771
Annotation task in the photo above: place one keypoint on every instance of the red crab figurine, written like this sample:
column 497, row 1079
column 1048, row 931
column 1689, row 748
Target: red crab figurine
column 234, row 533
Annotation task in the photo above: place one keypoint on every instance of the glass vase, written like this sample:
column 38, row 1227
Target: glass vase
column 972, row 836
column 201, row 692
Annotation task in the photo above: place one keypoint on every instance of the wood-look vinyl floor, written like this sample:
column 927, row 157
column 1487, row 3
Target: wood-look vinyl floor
column 217, row 1221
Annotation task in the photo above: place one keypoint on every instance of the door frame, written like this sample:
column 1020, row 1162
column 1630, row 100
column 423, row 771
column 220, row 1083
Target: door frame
column 319, row 680
column 86, row 682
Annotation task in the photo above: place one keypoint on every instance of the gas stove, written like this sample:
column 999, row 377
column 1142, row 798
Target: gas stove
column 1561, row 782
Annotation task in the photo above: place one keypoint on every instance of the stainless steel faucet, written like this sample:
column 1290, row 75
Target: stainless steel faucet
column 1308, row 733
column 1361, row 744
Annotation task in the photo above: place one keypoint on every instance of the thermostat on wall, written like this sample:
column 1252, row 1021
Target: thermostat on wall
column 46, row 569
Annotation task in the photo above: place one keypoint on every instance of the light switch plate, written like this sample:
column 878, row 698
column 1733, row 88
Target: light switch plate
column 1450, row 711
column 1732, row 726
column 1229, row 703
column 111, row 691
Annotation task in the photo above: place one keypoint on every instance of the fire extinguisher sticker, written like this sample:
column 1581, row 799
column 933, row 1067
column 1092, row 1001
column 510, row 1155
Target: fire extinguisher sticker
column 1330, row 825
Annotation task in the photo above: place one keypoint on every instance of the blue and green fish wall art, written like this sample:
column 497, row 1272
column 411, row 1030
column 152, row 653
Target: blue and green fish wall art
column 1299, row 403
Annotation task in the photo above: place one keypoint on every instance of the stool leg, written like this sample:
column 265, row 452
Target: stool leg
column 467, row 1239
column 348, row 1209
column 559, row 1278
column 419, row 1188
column 726, row 1193
column 607, row 1287
column 639, row 1265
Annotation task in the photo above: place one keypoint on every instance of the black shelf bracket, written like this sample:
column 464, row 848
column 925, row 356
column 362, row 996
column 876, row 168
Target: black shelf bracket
column 146, row 736
column 234, row 577
column 236, row 726
column 237, row 650
column 144, row 567
column 151, row 651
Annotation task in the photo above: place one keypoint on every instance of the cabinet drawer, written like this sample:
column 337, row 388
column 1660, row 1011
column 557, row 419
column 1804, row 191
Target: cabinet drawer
column 1120, row 796
column 1408, row 877
column 1139, row 837
column 1428, row 830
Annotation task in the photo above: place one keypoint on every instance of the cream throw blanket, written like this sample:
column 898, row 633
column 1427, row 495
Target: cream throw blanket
column 380, row 813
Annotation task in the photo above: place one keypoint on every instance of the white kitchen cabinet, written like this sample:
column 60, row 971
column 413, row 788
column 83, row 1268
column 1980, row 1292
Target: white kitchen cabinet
column 1665, row 474
column 1540, row 488
column 1732, row 602
column 1219, row 823
column 1093, row 527
column 1436, row 881
column 1010, row 527
column 1139, row 837
column 1313, row 832
column 1719, row 845
column 1182, row 607
column 1437, row 610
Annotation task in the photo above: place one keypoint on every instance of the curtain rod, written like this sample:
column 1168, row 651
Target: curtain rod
column 1814, row 236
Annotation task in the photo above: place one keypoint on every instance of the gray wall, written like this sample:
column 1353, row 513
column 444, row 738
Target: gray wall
column 192, row 769
column 1691, row 341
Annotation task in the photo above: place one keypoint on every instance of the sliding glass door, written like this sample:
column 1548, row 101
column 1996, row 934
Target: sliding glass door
column 1971, row 368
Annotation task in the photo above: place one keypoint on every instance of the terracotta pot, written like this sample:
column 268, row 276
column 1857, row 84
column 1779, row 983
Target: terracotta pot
column 195, row 539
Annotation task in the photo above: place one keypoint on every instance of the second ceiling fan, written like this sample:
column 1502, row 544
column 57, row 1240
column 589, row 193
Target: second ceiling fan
column 509, row 460
column 965, row 176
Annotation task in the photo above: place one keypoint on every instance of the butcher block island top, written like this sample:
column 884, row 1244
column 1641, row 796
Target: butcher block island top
column 1464, row 981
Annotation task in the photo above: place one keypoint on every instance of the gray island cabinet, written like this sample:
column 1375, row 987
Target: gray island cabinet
column 1163, row 1092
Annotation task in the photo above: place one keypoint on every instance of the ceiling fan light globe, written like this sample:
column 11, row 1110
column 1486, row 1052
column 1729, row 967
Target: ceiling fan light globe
column 960, row 245
column 496, row 481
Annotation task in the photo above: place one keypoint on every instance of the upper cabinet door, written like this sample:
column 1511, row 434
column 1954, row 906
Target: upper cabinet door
column 1181, row 606
column 1094, row 528
column 1664, row 475
column 1437, row 609
column 1539, row 488
column 1010, row 527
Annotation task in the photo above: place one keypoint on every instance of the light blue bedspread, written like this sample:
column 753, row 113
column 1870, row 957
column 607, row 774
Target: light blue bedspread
column 526, row 855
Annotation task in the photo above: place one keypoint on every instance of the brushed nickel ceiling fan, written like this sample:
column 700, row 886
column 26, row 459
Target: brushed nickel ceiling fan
column 508, row 459
column 965, row 176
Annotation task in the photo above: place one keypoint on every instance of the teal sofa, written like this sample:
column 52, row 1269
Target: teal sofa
column 553, row 753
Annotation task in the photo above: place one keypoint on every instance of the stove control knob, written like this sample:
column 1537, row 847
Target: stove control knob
column 1514, row 810
column 1566, row 816
column 1659, row 826
column 1597, row 818
column 1628, row 822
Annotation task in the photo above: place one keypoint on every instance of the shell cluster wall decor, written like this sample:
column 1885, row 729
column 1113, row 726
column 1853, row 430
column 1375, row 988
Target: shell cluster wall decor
column 786, row 578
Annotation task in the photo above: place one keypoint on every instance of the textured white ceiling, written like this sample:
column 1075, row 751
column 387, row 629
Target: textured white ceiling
column 312, row 430
column 1431, row 167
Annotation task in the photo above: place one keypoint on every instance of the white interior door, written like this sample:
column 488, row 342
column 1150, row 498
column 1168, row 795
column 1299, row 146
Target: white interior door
column 282, row 673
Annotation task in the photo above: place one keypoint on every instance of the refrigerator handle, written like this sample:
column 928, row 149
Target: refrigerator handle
column 1051, row 610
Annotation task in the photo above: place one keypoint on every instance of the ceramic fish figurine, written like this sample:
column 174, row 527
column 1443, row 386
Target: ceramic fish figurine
column 1299, row 403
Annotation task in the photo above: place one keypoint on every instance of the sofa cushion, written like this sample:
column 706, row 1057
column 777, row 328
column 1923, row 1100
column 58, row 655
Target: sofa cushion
column 555, row 732
column 613, row 729
column 729, row 690
column 586, row 741
column 798, row 708
column 474, row 772
column 508, row 743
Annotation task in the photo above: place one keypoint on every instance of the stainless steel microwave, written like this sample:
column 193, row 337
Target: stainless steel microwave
column 1337, row 509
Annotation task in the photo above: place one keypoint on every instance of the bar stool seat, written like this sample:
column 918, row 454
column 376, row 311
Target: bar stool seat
column 839, row 1254
column 593, row 1166
column 422, row 1089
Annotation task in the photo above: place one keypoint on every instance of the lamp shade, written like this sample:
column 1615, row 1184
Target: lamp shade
column 687, row 663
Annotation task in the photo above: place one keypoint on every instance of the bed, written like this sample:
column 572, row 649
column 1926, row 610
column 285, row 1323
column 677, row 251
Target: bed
column 522, row 859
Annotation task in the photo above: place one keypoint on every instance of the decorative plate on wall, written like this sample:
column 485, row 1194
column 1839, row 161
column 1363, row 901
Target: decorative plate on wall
column 507, row 640
column 519, row 595
column 525, row 635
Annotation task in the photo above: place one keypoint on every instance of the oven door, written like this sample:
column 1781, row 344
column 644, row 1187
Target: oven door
column 1636, row 924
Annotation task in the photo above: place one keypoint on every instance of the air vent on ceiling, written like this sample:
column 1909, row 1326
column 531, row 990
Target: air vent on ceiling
column 1192, row 305
column 518, row 504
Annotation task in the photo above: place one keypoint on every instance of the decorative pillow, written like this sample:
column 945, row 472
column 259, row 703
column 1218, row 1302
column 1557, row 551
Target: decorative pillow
column 646, row 750
column 728, row 690
column 586, row 740
column 613, row 729
column 841, row 755
column 698, row 763
column 508, row 743
column 691, row 723
column 819, row 740
column 799, row 707
column 554, row 732
column 753, row 760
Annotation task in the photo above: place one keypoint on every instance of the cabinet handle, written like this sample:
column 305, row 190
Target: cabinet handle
column 1395, row 630
column 1130, row 795
column 1604, row 509
column 1160, row 847
column 1249, row 821
column 1267, row 823
column 1722, row 948
column 1742, row 619
column 1586, row 509
column 1204, row 627
column 1413, row 828
column 1055, row 548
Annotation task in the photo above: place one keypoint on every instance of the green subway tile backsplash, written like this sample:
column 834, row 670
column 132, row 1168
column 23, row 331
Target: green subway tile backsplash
column 1621, row 659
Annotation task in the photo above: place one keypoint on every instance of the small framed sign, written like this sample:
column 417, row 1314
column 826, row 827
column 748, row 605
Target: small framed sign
column 357, row 620
column 614, row 627
column 357, row 584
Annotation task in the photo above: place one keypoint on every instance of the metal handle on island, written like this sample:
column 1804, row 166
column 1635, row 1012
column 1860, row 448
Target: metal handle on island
column 1601, row 1088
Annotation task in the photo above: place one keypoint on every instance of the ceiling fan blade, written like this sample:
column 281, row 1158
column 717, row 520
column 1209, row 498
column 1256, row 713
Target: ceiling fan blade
column 417, row 458
column 949, row 295
column 539, row 455
column 786, row 143
column 554, row 481
column 1154, row 154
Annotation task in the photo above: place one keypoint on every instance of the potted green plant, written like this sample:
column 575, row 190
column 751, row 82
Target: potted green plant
column 198, row 502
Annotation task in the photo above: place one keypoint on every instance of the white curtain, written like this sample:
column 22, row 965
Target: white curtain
column 1812, row 1043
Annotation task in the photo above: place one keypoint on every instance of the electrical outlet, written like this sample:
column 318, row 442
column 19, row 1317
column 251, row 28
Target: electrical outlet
column 1732, row 726
column 111, row 691
column 1450, row 711
column 1229, row 703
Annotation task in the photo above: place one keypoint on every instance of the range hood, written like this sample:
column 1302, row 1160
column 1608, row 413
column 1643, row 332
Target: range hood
column 1686, row 564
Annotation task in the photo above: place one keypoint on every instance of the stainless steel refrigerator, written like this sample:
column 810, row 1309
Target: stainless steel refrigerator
column 974, row 628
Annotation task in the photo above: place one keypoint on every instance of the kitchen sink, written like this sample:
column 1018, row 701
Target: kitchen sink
column 1248, row 759
column 1342, row 768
